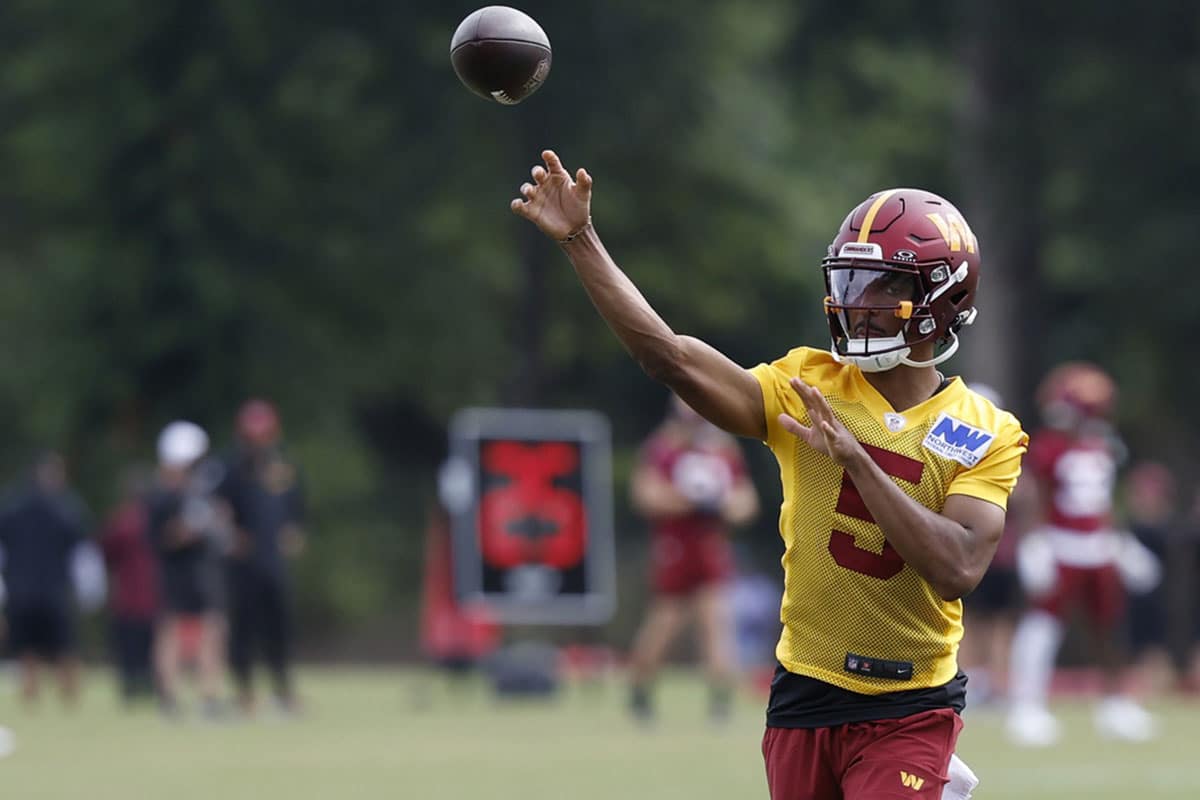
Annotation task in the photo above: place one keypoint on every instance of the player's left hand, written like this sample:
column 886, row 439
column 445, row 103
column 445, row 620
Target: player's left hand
column 554, row 202
column 826, row 434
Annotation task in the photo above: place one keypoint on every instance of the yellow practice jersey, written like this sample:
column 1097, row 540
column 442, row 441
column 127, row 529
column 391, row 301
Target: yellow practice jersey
column 854, row 614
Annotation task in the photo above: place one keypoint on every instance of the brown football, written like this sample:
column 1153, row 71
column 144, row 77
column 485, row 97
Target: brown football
column 501, row 54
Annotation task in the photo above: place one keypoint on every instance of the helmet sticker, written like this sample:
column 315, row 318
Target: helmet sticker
column 861, row 250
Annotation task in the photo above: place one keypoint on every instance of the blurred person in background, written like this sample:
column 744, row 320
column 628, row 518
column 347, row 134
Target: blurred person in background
column 754, row 607
column 1076, row 559
column 7, row 740
column 134, row 600
column 692, row 486
column 189, row 528
column 42, row 526
column 454, row 637
column 264, row 491
column 1150, row 497
column 990, row 611
column 1189, row 565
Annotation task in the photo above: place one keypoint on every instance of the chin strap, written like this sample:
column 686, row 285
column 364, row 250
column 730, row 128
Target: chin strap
column 877, row 363
column 890, row 360
column 938, row 359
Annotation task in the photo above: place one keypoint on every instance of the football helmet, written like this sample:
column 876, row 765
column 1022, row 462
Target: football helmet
column 906, row 253
column 1076, row 391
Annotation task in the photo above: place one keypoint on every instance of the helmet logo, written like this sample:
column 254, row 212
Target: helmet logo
column 861, row 250
column 954, row 231
column 904, row 255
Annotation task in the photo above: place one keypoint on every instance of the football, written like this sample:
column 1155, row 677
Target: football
column 501, row 54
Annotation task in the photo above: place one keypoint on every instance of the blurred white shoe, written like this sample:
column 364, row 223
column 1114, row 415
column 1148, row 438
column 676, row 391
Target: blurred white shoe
column 1122, row 718
column 1032, row 726
column 8, row 742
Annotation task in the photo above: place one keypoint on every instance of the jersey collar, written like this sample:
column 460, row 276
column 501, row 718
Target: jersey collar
column 879, row 406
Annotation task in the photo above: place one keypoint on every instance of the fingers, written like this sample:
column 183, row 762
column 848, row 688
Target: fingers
column 583, row 185
column 553, row 163
column 808, row 435
column 539, row 174
column 519, row 207
column 793, row 426
column 527, row 191
column 814, row 402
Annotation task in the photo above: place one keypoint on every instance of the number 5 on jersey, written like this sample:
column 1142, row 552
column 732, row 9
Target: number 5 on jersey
column 842, row 546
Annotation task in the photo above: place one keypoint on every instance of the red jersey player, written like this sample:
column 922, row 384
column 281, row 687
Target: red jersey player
column 691, row 484
column 1076, row 559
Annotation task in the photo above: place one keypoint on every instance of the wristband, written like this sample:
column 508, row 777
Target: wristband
column 570, row 237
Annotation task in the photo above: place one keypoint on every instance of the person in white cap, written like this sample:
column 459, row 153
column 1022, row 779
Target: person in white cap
column 188, row 526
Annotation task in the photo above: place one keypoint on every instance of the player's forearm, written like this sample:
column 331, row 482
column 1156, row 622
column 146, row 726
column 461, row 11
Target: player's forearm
column 654, row 497
column 935, row 546
column 647, row 337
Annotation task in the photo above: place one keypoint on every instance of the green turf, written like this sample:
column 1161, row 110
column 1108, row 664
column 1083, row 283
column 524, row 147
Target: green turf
column 386, row 735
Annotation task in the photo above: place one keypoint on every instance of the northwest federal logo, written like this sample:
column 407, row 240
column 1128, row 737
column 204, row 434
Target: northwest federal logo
column 911, row 781
column 956, row 440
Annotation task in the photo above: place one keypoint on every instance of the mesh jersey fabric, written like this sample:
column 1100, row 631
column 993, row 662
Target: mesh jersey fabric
column 846, row 591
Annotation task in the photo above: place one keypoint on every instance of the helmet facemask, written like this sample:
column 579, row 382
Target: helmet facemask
column 865, row 298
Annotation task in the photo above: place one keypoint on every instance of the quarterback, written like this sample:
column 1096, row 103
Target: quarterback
column 895, row 483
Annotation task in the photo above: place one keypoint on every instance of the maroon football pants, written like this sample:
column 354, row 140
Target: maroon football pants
column 892, row 758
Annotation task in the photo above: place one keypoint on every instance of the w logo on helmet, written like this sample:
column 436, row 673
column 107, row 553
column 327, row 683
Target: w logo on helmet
column 955, row 231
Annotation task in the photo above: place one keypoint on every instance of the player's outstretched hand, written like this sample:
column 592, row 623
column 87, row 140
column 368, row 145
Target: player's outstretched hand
column 826, row 434
column 554, row 202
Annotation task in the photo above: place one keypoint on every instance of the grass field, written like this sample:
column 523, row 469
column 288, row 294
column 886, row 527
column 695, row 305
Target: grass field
column 365, row 736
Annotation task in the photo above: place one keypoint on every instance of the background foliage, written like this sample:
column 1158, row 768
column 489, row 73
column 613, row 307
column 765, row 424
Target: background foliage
column 202, row 201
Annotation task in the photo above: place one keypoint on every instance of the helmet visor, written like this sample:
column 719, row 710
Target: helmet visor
column 872, row 288
column 872, row 303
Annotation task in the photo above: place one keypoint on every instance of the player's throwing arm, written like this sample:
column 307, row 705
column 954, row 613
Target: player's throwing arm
column 719, row 389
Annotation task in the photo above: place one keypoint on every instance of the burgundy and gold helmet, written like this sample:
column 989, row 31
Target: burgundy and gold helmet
column 1076, row 391
column 917, row 257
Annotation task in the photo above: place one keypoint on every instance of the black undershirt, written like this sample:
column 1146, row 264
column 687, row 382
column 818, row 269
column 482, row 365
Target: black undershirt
column 798, row 701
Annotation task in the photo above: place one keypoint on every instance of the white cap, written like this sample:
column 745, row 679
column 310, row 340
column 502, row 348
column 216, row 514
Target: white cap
column 181, row 443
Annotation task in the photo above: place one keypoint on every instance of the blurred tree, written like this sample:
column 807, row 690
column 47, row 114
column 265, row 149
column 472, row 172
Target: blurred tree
column 207, row 200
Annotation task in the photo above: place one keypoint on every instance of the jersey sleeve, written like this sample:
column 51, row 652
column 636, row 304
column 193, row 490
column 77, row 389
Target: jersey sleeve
column 993, row 478
column 778, row 394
